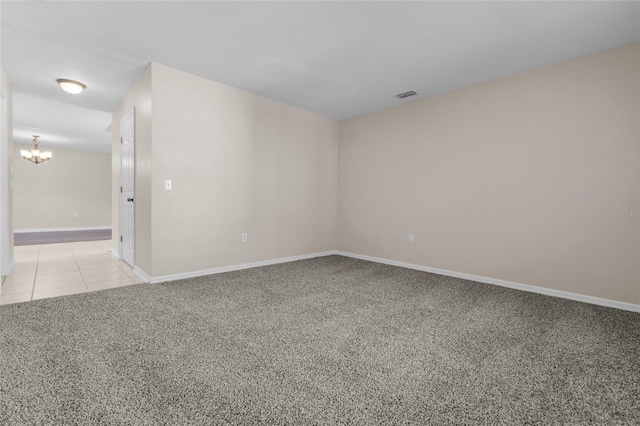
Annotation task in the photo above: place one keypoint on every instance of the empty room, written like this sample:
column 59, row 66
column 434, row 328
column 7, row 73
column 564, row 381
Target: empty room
column 319, row 212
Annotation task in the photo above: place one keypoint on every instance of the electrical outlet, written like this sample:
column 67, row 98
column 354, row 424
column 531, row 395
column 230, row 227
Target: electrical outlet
column 411, row 238
column 244, row 237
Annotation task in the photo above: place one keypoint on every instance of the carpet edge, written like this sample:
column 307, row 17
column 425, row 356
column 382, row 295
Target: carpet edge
column 609, row 303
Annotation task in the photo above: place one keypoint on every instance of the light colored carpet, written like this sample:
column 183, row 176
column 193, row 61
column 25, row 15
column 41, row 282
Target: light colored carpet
column 321, row 341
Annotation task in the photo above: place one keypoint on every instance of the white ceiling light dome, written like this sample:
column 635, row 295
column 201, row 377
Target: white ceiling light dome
column 72, row 87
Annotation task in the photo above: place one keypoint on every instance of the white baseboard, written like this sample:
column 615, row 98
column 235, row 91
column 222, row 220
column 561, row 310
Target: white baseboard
column 142, row 274
column 230, row 268
column 88, row 228
column 10, row 269
column 502, row 283
column 116, row 254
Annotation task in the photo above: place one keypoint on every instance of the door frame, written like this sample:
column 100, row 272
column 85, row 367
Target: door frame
column 6, row 263
column 131, row 114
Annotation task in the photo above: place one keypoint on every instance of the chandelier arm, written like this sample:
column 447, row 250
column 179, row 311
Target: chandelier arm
column 37, row 159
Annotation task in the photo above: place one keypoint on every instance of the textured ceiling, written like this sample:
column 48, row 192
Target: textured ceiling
column 338, row 59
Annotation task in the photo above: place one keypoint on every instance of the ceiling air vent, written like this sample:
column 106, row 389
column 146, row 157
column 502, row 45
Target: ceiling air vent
column 405, row 94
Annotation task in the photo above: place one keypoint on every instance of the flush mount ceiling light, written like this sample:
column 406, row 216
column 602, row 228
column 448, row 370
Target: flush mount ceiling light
column 35, row 155
column 70, row 86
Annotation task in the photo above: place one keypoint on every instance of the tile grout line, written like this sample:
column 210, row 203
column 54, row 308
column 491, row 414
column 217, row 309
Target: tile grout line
column 122, row 268
column 59, row 272
column 114, row 260
column 79, row 269
column 117, row 262
column 33, row 287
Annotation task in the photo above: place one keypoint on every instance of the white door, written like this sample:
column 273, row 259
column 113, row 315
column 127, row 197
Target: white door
column 127, row 187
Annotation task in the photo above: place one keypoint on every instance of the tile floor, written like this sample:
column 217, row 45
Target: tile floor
column 51, row 270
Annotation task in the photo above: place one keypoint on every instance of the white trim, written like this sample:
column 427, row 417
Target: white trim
column 6, row 185
column 116, row 254
column 87, row 228
column 230, row 268
column 10, row 270
column 142, row 274
column 502, row 283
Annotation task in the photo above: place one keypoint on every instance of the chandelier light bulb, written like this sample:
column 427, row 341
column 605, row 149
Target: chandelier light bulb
column 35, row 155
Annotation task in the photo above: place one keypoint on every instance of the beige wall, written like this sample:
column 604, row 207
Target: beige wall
column 48, row 195
column 239, row 163
column 508, row 180
column 138, row 97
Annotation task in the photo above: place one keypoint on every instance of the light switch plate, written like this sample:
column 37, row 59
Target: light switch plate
column 167, row 184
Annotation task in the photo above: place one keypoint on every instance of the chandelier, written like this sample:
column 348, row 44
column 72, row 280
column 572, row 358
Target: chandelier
column 35, row 155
